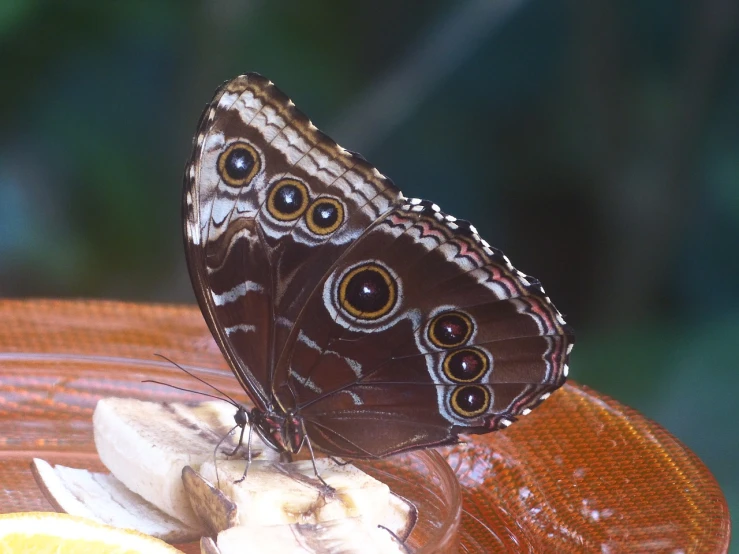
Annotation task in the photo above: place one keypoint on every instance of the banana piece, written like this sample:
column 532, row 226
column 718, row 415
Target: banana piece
column 400, row 518
column 103, row 498
column 215, row 509
column 275, row 493
column 146, row 445
column 208, row 546
column 156, row 450
column 340, row 536
column 344, row 535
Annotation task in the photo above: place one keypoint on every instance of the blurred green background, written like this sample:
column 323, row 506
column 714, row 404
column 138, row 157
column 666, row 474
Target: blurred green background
column 594, row 141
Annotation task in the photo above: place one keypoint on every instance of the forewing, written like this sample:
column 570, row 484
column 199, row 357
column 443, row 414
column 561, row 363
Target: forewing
column 270, row 204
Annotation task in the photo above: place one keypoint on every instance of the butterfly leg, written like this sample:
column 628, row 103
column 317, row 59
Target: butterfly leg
column 338, row 461
column 306, row 440
column 241, row 441
column 248, row 454
column 396, row 538
column 215, row 450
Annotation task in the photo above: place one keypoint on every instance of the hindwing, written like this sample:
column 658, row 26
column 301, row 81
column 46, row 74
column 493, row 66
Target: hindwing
column 467, row 345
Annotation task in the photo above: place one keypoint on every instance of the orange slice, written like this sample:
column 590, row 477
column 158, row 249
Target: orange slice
column 47, row 532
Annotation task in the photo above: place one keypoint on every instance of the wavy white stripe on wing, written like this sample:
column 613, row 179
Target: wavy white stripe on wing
column 241, row 327
column 237, row 292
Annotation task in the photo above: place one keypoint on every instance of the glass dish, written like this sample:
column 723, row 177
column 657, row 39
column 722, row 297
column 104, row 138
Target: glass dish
column 46, row 404
column 582, row 473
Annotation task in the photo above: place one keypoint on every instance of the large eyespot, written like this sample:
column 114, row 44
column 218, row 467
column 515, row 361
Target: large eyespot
column 325, row 215
column 470, row 400
column 368, row 291
column 287, row 200
column 466, row 365
column 238, row 164
column 450, row 329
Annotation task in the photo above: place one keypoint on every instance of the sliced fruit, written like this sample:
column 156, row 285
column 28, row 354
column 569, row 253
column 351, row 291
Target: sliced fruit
column 275, row 493
column 50, row 533
column 208, row 546
column 215, row 509
column 103, row 498
column 156, row 450
column 146, row 445
column 348, row 536
column 401, row 517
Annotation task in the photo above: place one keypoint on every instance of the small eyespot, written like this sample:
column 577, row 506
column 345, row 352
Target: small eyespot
column 450, row 329
column 238, row 164
column 325, row 215
column 470, row 400
column 287, row 200
column 466, row 365
column 368, row 291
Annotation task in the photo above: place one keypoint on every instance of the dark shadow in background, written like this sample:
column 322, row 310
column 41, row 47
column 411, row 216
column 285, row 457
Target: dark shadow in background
column 596, row 142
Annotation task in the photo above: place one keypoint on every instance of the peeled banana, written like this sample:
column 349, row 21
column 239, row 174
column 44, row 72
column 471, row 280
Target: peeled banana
column 172, row 479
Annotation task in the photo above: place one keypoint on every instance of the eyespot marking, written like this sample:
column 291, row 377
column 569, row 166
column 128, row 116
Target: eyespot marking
column 238, row 164
column 368, row 291
column 325, row 215
column 466, row 365
column 450, row 329
column 287, row 200
column 470, row 400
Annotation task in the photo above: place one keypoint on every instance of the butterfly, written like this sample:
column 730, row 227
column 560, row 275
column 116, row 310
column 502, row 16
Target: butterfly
column 358, row 321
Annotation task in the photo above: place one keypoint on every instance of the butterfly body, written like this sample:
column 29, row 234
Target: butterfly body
column 357, row 320
column 282, row 432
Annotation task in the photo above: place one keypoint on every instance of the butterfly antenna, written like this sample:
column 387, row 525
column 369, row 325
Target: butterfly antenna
column 188, row 390
column 191, row 374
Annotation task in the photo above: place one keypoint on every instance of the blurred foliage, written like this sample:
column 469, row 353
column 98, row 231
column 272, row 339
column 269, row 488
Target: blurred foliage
column 595, row 141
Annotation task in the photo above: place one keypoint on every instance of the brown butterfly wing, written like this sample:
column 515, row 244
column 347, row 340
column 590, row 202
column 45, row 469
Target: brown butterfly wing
column 270, row 203
column 467, row 345
column 382, row 323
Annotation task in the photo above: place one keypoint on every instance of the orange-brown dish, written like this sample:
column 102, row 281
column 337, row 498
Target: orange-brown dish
column 582, row 473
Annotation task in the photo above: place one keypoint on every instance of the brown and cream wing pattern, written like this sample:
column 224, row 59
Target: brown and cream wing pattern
column 459, row 341
column 270, row 204
column 370, row 322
